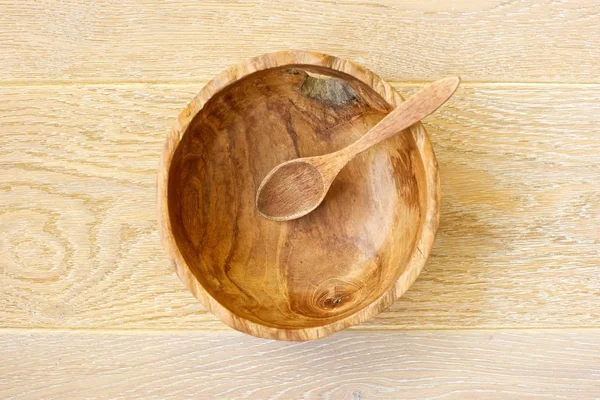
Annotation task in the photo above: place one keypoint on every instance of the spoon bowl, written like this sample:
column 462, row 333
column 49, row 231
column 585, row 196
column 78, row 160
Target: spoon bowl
column 284, row 183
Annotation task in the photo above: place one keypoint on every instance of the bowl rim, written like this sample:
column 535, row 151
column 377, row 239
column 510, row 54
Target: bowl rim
column 297, row 58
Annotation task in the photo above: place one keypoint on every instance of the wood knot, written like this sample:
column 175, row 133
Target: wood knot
column 333, row 91
column 335, row 294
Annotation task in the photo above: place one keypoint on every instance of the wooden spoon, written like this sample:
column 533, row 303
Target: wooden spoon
column 295, row 188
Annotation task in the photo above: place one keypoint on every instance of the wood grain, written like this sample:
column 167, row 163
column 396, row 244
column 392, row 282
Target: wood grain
column 350, row 365
column 518, row 244
column 368, row 241
column 108, row 41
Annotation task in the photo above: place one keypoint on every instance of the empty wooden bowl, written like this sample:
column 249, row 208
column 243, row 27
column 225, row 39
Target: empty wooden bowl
column 339, row 265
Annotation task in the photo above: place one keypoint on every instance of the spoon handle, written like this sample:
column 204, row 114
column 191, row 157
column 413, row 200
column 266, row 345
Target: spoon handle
column 417, row 107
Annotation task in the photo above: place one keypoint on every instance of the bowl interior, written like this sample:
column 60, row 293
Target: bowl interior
column 320, row 268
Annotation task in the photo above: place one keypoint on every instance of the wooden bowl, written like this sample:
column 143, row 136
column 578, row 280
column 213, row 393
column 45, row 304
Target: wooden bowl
column 338, row 266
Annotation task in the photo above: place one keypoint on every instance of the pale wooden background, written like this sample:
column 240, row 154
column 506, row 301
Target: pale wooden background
column 508, row 305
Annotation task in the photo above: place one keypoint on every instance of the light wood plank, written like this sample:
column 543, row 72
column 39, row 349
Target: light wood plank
column 109, row 41
column 559, row 364
column 518, row 244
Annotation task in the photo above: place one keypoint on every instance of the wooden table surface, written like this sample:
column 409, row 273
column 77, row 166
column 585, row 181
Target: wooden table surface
column 508, row 305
